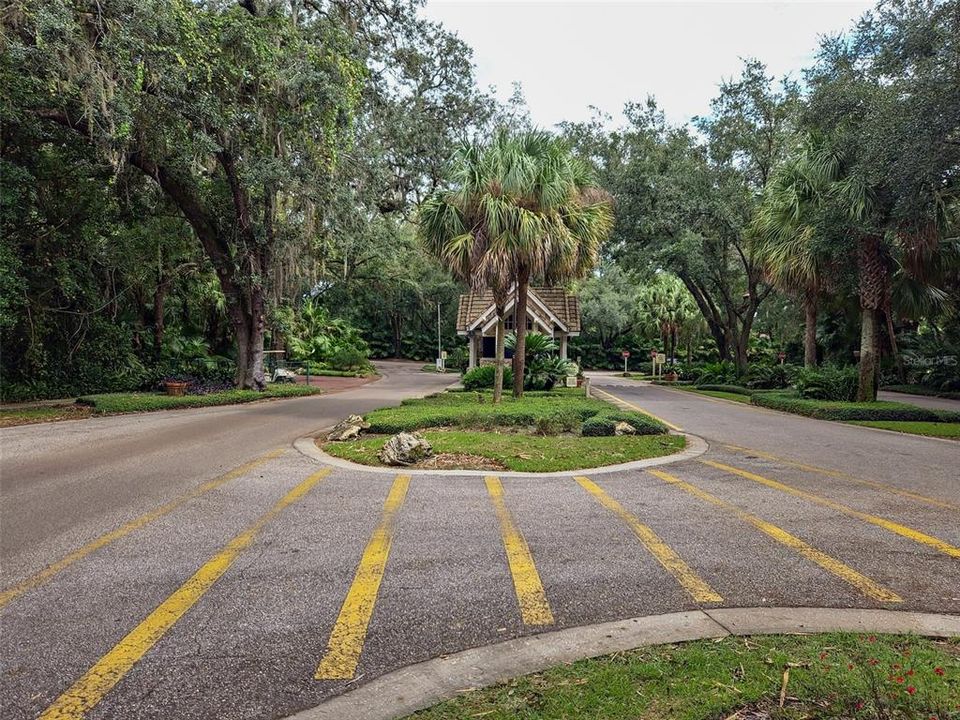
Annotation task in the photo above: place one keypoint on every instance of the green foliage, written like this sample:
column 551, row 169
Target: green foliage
column 830, row 382
column 922, row 390
column 482, row 377
column 604, row 423
column 142, row 402
column 718, row 373
column 319, row 338
column 845, row 411
column 565, row 408
column 770, row 376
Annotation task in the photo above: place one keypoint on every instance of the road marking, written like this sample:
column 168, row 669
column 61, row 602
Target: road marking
column 87, row 692
column 691, row 582
column 636, row 408
column 48, row 572
column 862, row 583
column 350, row 630
column 844, row 476
column 534, row 608
column 893, row 527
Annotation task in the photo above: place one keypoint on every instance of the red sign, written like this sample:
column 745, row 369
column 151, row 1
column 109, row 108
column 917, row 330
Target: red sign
column 625, row 353
column 653, row 354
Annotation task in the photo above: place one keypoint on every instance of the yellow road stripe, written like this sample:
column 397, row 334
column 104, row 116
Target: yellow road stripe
column 864, row 584
column 350, row 629
column 893, row 527
column 534, row 608
column 844, row 476
column 127, row 528
column 90, row 689
column 636, row 408
column 691, row 582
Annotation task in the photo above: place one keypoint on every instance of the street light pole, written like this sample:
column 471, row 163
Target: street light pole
column 439, row 346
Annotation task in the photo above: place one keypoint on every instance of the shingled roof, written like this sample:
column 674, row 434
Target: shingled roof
column 561, row 303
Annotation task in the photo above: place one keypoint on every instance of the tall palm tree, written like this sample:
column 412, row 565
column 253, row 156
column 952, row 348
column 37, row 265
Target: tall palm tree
column 522, row 208
column 452, row 226
column 788, row 231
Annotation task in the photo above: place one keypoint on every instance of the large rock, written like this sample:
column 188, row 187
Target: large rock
column 348, row 429
column 624, row 428
column 405, row 449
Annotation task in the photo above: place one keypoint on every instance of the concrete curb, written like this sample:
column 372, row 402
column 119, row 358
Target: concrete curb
column 419, row 686
column 696, row 446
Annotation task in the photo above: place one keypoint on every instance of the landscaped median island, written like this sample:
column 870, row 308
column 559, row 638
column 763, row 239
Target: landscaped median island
column 111, row 403
column 777, row 677
column 548, row 431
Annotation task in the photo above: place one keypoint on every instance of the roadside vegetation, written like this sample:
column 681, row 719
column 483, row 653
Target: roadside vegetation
column 31, row 415
column 779, row 677
column 543, row 431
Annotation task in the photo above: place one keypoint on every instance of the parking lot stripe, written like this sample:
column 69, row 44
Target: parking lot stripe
column 636, row 408
column 534, row 608
column 890, row 525
column 844, row 476
column 674, row 564
column 861, row 582
column 87, row 692
column 350, row 630
column 48, row 572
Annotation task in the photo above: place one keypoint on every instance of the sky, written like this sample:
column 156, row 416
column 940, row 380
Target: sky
column 571, row 55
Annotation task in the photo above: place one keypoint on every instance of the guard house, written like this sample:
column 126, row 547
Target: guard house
column 550, row 310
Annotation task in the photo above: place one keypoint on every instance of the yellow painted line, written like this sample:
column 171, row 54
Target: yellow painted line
column 674, row 564
column 861, row 582
column 350, row 630
column 844, row 476
column 893, row 527
column 87, row 692
column 534, row 608
column 636, row 408
column 127, row 528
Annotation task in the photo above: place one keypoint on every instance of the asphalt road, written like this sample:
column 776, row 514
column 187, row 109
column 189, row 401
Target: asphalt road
column 186, row 596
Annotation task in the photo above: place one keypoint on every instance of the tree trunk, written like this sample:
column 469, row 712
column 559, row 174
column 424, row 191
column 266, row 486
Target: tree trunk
column 498, row 370
column 809, row 332
column 246, row 316
column 894, row 348
column 872, row 291
column 520, row 350
column 867, row 388
column 396, row 324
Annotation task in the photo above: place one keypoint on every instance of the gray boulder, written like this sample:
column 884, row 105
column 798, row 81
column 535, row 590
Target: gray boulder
column 405, row 449
column 348, row 429
column 624, row 428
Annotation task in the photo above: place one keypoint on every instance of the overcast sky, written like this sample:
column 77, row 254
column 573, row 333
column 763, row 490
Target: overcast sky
column 571, row 55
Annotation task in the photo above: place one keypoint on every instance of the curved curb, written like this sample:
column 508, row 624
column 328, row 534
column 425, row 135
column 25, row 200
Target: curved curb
column 416, row 687
column 696, row 446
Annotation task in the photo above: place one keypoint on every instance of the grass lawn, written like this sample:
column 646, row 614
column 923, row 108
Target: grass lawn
column 526, row 453
column 785, row 677
column 111, row 403
column 31, row 415
column 934, row 429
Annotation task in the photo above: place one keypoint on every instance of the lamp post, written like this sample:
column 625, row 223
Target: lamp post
column 439, row 345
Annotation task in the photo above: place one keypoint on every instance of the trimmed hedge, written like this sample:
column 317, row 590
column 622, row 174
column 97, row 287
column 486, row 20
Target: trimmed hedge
column 481, row 378
column 605, row 423
column 846, row 411
column 922, row 390
column 142, row 402
column 735, row 389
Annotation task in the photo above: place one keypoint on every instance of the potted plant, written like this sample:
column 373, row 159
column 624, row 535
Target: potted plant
column 175, row 385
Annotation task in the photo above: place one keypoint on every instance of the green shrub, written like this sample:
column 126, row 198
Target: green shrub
column 481, row 378
column 845, row 411
column 348, row 357
column 736, row 389
column 604, row 423
column 718, row 373
column 922, row 390
column 770, row 377
column 828, row 383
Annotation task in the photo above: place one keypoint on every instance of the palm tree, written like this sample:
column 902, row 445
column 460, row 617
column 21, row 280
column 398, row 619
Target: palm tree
column 452, row 226
column 787, row 231
column 522, row 208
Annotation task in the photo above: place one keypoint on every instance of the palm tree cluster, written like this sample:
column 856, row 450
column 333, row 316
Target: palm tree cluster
column 520, row 208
